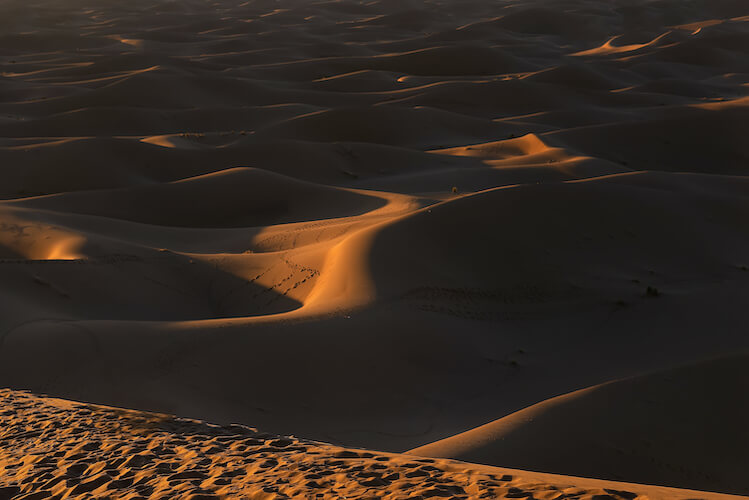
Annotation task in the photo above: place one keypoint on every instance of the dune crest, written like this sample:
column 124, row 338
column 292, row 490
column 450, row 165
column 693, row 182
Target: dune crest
column 102, row 451
column 649, row 412
column 377, row 224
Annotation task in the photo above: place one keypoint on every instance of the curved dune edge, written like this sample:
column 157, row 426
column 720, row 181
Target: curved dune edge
column 276, row 263
column 58, row 448
column 627, row 428
column 335, row 264
column 373, row 223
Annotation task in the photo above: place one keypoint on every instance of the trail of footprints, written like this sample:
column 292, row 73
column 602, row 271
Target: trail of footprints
column 51, row 448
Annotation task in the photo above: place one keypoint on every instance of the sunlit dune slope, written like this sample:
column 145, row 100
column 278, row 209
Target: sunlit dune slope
column 632, row 428
column 378, row 224
column 596, row 240
column 51, row 448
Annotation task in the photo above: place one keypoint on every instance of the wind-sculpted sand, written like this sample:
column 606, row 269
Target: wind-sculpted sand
column 53, row 448
column 395, row 225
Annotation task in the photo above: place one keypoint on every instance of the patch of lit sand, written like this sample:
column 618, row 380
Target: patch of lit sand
column 61, row 449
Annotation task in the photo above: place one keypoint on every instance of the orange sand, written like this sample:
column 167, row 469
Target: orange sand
column 461, row 228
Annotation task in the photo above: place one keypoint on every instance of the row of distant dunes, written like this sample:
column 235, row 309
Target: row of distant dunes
column 389, row 224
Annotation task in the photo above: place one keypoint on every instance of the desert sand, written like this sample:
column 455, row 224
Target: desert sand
column 71, row 450
column 510, row 233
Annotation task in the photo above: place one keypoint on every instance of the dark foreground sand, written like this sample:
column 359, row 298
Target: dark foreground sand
column 507, row 232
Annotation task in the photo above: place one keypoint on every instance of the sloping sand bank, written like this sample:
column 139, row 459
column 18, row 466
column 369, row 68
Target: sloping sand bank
column 631, row 428
column 52, row 448
column 382, row 224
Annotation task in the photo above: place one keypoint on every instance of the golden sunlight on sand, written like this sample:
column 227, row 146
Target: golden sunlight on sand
column 507, row 232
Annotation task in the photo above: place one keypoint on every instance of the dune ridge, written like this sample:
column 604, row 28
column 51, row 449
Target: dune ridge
column 76, row 450
column 562, row 429
column 384, row 224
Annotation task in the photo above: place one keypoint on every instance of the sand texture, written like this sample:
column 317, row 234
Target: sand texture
column 54, row 448
column 505, row 232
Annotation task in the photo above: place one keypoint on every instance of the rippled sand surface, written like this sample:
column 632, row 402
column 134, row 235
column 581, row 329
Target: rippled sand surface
column 52, row 448
column 504, row 232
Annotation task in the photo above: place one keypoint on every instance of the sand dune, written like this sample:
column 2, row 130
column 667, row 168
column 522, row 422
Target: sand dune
column 395, row 225
column 249, row 197
column 639, row 420
column 78, row 451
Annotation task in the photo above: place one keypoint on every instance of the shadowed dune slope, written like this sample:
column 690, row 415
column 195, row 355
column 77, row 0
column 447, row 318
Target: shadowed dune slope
column 631, row 428
column 249, row 197
column 596, row 240
column 377, row 224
